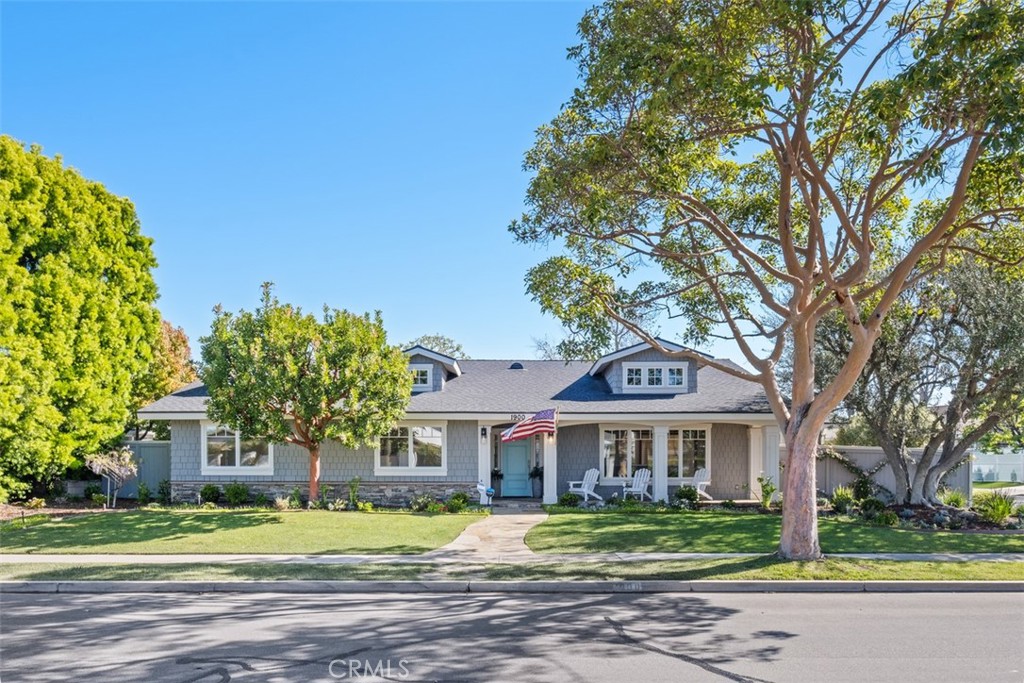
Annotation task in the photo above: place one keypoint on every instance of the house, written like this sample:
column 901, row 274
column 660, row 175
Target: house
column 632, row 408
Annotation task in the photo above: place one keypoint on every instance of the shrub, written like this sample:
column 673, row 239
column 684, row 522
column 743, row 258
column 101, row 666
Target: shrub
column 436, row 506
column 631, row 505
column 261, row 500
column 863, row 487
column 457, row 504
column 687, row 497
column 872, row 507
column 768, row 489
column 842, row 499
column 295, row 499
column 953, row 498
column 236, row 493
column 729, row 504
column 91, row 490
column 569, row 500
column 364, row 506
column 98, row 499
column 143, row 495
column 282, row 503
column 421, row 502
column 461, row 496
column 885, row 517
column 35, row 503
column 163, row 492
column 994, row 506
column 353, row 492
column 208, row 505
column 210, row 493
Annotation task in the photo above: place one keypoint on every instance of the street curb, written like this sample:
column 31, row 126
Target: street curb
column 564, row 587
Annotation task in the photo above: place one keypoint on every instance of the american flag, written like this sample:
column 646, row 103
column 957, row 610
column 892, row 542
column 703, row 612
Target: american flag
column 543, row 422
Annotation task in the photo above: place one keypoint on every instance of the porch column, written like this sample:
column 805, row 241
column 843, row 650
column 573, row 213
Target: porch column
column 483, row 464
column 660, row 484
column 756, row 446
column 770, row 460
column 550, row 468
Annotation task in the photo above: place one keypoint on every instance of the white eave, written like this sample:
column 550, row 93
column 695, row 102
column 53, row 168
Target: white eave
column 604, row 361
column 449, row 363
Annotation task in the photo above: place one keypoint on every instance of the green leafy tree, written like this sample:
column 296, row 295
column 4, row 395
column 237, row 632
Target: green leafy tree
column 441, row 344
column 752, row 168
column 170, row 367
column 287, row 376
column 77, row 319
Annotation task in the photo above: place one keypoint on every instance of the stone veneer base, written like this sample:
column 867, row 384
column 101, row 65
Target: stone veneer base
column 390, row 494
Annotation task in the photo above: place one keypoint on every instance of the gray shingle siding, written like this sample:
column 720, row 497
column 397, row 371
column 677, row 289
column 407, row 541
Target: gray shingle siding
column 438, row 374
column 613, row 373
column 337, row 464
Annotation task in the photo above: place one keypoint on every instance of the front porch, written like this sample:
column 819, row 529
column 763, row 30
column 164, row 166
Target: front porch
column 735, row 454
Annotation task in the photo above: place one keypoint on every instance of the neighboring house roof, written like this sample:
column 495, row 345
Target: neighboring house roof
column 492, row 386
column 604, row 361
column 450, row 364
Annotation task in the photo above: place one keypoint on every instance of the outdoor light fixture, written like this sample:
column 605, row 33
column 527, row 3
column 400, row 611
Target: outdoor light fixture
column 483, row 432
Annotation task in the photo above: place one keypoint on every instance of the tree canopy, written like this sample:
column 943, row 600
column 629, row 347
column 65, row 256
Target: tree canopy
column 440, row 343
column 751, row 168
column 77, row 315
column 170, row 367
column 287, row 376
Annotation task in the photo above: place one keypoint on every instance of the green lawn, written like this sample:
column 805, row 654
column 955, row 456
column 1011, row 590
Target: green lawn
column 994, row 484
column 714, row 532
column 311, row 532
column 213, row 572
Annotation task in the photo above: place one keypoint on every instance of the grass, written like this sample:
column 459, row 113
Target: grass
column 716, row 532
column 213, row 572
column 761, row 568
column 311, row 532
column 995, row 484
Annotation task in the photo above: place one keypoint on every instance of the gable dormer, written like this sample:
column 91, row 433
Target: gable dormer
column 430, row 369
column 641, row 369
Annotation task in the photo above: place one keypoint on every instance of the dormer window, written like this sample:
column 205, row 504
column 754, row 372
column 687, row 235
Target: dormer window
column 422, row 376
column 654, row 377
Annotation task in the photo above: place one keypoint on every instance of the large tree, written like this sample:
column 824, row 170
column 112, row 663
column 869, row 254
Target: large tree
column 754, row 167
column 76, row 314
column 947, row 370
column 170, row 367
column 287, row 376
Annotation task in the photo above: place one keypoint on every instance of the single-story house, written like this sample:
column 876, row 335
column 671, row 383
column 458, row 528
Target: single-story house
column 634, row 408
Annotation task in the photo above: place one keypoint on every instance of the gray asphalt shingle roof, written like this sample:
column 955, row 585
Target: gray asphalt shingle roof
column 489, row 386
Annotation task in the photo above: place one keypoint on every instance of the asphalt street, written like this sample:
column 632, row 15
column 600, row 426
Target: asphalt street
column 521, row 638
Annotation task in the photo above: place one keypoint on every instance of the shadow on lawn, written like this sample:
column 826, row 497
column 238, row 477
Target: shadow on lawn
column 98, row 530
column 669, row 570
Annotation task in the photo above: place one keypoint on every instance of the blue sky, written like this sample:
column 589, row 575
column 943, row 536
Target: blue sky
column 363, row 155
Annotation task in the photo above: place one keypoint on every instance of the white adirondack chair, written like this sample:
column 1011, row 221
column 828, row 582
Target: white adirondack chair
column 639, row 485
column 701, row 479
column 585, row 487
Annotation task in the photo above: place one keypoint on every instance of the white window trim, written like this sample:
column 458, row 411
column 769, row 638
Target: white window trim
column 646, row 388
column 412, row 471
column 429, row 367
column 619, row 481
column 676, row 481
column 237, row 470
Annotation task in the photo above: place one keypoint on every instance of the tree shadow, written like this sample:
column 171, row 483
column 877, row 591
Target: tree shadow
column 450, row 637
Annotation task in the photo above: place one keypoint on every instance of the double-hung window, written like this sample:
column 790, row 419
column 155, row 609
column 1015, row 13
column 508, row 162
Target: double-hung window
column 413, row 449
column 626, row 451
column 226, row 451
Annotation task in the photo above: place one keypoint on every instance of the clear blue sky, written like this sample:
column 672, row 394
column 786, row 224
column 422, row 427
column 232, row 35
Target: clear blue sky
column 367, row 156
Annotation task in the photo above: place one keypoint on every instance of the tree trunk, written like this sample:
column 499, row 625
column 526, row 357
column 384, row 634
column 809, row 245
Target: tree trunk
column 799, row 539
column 314, row 473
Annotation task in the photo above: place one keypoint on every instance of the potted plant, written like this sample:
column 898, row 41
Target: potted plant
column 496, row 477
column 537, row 477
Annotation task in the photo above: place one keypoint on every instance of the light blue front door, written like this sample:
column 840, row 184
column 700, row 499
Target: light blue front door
column 515, row 464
